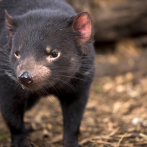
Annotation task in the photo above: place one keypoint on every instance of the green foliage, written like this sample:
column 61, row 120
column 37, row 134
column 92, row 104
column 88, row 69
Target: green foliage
column 98, row 89
column 4, row 136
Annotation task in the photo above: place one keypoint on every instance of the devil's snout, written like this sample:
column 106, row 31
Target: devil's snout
column 25, row 78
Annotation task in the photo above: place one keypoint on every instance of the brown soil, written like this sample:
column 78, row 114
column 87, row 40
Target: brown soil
column 116, row 112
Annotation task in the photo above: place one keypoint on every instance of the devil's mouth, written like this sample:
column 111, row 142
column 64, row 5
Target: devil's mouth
column 35, row 86
column 30, row 88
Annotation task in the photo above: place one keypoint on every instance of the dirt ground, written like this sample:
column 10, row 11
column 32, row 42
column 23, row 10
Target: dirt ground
column 116, row 112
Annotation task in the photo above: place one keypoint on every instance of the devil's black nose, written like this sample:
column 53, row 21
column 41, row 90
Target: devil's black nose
column 25, row 78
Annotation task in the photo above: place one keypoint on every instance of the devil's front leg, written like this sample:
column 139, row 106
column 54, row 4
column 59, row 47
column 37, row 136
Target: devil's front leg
column 73, row 106
column 13, row 111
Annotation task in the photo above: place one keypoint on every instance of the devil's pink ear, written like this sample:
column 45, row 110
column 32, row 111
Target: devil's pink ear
column 82, row 24
column 9, row 23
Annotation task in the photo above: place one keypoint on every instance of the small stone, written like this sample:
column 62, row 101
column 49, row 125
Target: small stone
column 136, row 121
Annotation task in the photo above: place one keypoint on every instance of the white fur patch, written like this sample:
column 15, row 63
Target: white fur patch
column 20, row 47
column 48, row 49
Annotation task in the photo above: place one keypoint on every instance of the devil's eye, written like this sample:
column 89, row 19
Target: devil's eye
column 54, row 54
column 16, row 54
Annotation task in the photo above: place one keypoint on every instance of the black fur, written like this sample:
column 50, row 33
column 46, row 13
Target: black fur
column 37, row 24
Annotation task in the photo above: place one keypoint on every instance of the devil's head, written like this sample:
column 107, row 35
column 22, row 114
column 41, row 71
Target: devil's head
column 46, row 48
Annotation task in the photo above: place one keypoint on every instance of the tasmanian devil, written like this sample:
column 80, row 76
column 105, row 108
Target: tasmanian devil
column 45, row 48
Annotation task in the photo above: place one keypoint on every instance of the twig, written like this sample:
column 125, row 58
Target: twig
column 143, row 136
column 121, row 139
column 34, row 144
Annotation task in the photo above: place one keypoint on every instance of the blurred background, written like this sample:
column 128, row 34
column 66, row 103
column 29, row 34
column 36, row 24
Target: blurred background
column 116, row 115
